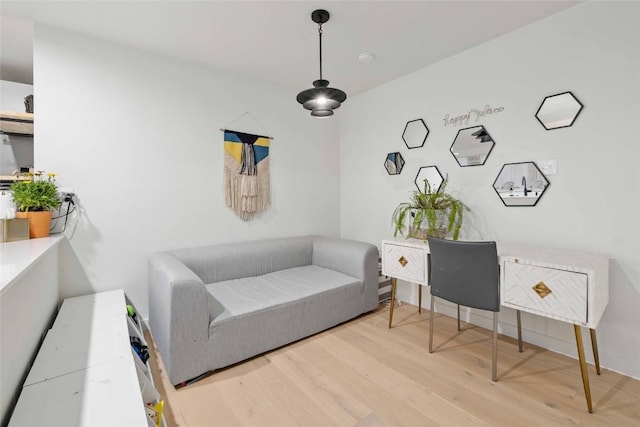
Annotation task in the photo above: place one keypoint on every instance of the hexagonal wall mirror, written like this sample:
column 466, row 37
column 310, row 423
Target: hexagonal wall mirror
column 415, row 133
column 432, row 175
column 520, row 184
column 394, row 163
column 472, row 146
column 559, row 111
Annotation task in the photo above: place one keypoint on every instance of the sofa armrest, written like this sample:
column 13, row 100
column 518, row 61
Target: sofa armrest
column 178, row 308
column 353, row 258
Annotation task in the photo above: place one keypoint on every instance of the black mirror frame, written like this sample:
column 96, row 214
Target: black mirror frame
column 574, row 117
column 415, row 181
column 401, row 165
column 493, row 144
column 520, row 163
column 425, row 136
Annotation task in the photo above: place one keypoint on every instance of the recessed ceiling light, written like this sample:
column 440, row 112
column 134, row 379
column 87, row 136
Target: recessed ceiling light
column 366, row 58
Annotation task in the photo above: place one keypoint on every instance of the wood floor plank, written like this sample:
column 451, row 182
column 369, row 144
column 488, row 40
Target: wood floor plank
column 348, row 347
column 548, row 380
column 342, row 407
column 363, row 374
column 448, row 381
column 390, row 408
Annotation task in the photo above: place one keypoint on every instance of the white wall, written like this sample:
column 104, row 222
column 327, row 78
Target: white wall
column 27, row 307
column 15, row 151
column 593, row 202
column 12, row 95
column 137, row 137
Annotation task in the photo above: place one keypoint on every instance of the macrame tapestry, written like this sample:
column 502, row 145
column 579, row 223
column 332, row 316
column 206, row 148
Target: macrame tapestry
column 246, row 173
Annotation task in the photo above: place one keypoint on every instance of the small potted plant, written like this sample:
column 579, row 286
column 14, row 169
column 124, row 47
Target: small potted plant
column 35, row 194
column 429, row 213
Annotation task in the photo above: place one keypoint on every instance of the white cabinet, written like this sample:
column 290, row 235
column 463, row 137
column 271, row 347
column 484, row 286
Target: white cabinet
column 564, row 285
column 86, row 372
column 558, row 294
column 405, row 260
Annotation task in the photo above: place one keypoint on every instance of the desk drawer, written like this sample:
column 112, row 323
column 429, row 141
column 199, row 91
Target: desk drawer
column 405, row 262
column 551, row 292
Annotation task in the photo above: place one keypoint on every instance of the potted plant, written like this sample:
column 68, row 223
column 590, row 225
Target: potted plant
column 429, row 213
column 35, row 194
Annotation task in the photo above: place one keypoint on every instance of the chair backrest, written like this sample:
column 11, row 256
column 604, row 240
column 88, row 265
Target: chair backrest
column 465, row 273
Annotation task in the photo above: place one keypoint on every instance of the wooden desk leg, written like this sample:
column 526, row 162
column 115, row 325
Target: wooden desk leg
column 393, row 299
column 419, row 299
column 594, row 345
column 583, row 367
column 519, row 331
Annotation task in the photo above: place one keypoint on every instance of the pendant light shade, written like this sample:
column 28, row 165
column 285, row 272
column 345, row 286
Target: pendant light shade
column 321, row 99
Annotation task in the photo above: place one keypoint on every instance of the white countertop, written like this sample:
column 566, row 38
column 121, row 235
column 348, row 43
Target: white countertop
column 18, row 257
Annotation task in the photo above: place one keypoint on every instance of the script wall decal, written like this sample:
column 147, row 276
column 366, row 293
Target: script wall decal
column 473, row 113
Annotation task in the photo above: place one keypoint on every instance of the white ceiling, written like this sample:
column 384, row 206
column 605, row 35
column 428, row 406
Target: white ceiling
column 276, row 41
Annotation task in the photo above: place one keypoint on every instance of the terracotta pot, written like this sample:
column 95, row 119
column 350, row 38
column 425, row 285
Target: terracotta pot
column 39, row 223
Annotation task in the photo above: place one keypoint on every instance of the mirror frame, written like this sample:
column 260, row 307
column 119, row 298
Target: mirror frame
column 423, row 139
column 553, row 96
column 402, row 163
column 544, row 190
column 415, row 181
column 493, row 144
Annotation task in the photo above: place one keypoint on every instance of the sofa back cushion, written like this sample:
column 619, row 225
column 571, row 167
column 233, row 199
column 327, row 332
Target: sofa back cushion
column 246, row 259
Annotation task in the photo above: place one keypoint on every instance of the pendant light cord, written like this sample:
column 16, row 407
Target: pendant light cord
column 320, row 37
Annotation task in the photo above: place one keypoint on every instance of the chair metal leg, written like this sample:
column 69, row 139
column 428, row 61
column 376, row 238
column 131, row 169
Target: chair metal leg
column 393, row 299
column 431, row 316
column 594, row 346
column 459, row 328
column 494, row 369
column 419, row 299
column 583, row 367
column 519, row 331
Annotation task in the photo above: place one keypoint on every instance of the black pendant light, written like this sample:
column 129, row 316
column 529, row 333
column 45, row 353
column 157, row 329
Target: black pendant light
column 321, row 99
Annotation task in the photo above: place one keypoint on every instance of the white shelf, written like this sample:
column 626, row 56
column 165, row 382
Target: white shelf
column 103, row 395
column 93, row 308
column 102, row 342
column 86, row 372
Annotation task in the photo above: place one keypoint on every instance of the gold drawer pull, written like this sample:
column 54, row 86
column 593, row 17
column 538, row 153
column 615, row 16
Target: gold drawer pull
column 403, row 261
column 541, row 289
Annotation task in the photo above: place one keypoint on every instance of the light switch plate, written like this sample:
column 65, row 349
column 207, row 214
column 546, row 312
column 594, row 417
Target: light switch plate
column 548, row 167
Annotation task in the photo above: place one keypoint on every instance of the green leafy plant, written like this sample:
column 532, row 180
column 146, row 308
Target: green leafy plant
column 36, row 191
column 439, row 211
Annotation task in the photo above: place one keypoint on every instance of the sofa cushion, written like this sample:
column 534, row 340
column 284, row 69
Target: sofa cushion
column 249, row 295
column 246, row 259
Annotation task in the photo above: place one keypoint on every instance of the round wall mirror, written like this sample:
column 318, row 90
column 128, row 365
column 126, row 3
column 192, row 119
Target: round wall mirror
column 472, row 146
column 520, row 184
column 559, row 111
column 415, row 133
column 394, row 163
column 432, row 175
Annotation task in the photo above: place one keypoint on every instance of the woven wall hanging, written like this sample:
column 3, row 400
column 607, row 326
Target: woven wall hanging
column 246, row 173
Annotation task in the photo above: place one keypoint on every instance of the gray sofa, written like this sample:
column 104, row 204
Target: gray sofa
column 213, row 306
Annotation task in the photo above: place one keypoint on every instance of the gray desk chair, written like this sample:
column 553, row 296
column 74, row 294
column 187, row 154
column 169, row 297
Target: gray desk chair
column 466, row 273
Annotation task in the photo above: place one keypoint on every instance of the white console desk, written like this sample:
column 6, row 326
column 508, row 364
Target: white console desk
column 569, row 286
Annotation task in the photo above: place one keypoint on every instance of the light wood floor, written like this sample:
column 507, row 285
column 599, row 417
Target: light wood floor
column 363, row 374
